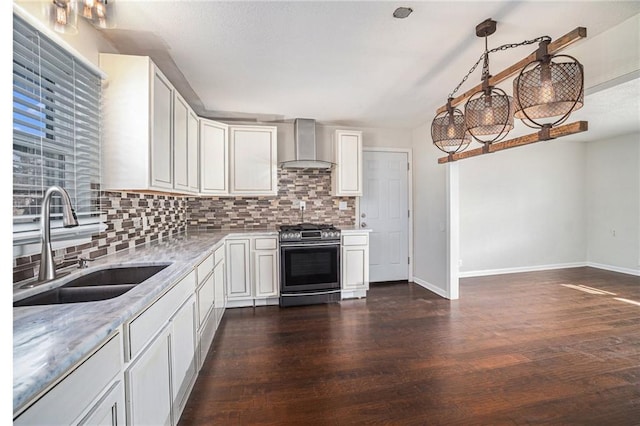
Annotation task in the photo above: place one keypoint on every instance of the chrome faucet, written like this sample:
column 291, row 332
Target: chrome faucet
column 69, row 220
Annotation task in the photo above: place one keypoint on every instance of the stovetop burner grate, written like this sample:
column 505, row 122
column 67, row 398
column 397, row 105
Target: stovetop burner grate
column 309, row 232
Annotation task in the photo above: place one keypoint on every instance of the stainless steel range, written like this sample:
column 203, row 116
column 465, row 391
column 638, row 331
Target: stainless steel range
column 309, row 264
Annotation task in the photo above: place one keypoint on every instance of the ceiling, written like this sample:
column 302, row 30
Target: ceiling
column 342, row 63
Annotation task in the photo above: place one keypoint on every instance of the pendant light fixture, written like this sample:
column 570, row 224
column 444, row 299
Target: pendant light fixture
column 99, row 12
column 547, row 85
column 63, row 17
column 449, row 132
column 490, row 110
column 545, row 88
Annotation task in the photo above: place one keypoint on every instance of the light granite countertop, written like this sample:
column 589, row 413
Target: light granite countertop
column 50, row 339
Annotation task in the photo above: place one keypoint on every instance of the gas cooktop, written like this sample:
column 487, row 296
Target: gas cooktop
column 307, row 227
column 309, row 232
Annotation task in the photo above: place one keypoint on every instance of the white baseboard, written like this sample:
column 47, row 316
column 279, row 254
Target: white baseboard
column 353, row 294
column 612, row 268
column 249, row 303
column 432, row 288
column 486, row 272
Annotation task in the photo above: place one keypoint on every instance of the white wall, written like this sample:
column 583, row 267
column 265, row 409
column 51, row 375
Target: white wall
column 523, row 208
column 430, row 198
column 612, row 176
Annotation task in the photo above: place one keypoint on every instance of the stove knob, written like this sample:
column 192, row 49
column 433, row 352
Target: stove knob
column 298, row 235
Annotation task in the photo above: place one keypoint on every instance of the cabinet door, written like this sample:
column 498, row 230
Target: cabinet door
column 347, row 174
column 180, row 144
column 183, row 362
column 149, row 385
column 109, row 411
column 253, row 160
column 219, row 277
column 193, row 131
column 238, row 269
column 266, row 273
column 206, row 294
column 213, row 158
column 161, row 145
column 355, row 267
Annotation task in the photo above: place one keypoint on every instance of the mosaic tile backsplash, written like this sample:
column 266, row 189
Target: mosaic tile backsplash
column 309, row 185
column 131, row 219
column 135, row 218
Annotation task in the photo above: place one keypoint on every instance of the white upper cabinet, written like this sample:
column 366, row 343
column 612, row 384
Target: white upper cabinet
column 346, row 179
column 193, row 136
column 253, row 160
column 214, row 158
column 185, row 146
column 180, row 144
column 148, row 142
column 137, row 148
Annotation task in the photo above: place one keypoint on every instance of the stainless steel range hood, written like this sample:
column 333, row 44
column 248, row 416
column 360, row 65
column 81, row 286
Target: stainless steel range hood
column 304, row 130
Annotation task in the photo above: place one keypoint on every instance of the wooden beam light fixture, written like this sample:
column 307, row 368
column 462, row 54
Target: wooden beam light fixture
column 547, row 86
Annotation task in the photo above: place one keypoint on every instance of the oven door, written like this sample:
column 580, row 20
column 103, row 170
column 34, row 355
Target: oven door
column 309, row 267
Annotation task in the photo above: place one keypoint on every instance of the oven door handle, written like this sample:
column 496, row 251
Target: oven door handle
column 295, row 245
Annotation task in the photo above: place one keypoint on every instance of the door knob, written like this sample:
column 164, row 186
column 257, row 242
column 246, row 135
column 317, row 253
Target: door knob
column 363, row 215
column 363, row 225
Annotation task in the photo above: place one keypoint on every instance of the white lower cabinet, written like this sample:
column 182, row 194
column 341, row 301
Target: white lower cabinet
column 81, row 392
column 265, row 267
column 252, row 271
column 213, row 302
column 109, row 411
column 238, row 270
column 183, row 356
column 149, row 385
column 159, row 380
column 355, row 264
column 162, row 348
column 220, row 283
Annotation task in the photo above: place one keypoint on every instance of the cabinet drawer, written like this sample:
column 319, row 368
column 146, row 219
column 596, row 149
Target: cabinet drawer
column 355, row 240
column 205, row 268
column 68, row 399
column 218, row 254
column 206, row 294
column 270, row 243
column 147, row 324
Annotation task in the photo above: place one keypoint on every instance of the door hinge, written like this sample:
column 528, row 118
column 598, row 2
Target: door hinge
column 408, row 261
column 408, row 213
column 408, row 166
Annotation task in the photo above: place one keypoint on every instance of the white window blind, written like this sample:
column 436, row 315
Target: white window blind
column 56, row 131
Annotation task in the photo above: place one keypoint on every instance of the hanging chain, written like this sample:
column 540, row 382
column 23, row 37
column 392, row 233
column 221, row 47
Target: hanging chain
column 496, row 49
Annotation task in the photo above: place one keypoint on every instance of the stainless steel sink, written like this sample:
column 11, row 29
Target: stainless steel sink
column 99, row 285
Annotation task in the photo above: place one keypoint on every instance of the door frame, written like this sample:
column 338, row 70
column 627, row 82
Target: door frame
column 409, row 153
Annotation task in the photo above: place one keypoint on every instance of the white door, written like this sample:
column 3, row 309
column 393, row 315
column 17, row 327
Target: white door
column 384, row 208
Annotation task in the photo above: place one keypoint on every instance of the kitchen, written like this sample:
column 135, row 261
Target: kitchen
column 135, row 218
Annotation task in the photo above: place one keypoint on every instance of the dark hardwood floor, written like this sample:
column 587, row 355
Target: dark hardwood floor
column 515, row 349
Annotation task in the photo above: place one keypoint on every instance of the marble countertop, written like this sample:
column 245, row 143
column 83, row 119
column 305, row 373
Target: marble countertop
column 49, row 339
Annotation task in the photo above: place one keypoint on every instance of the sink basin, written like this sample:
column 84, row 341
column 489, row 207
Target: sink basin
column 99, row 285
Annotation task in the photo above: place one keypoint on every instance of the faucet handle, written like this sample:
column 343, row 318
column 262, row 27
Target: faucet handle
column 82, row 262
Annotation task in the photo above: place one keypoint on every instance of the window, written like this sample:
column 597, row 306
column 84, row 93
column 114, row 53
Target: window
column 56, row 132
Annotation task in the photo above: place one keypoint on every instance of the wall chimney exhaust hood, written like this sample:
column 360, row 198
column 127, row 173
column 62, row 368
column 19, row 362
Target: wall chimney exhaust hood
column 304, row 130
